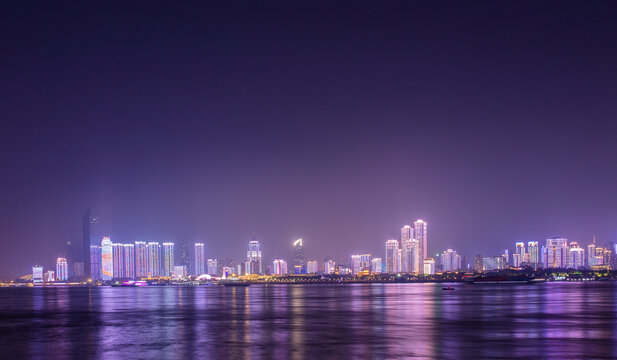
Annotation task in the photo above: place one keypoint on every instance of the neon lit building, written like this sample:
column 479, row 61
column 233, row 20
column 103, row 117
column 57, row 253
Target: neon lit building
column 180, row 272
column 556, row 252
column 532, row 249
column 62, row 269
column 392, row 256
column 49, row 276
column 280, row 267
column 376, row 265
column 329, row 267
column 520, row 250
column 429, row 266
column 118, row 256
column 312, row 267
column 406, row 246
column 450, row 260
column 91, row 246
column 576, row 256
column 493, row 263
column 200, row 258
column 213, row 266
column 298, row 253
column 168, row 259
column 253, row 258
column 141, row 259
column 107, row 260
column 420, row 233
column 153, row 249
column 37, row 274
column 129, row 261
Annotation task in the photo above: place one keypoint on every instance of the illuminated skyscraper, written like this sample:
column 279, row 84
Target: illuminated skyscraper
column 37, row 274
column 153, row 249
column 107, row 260
column 392, row 256
column 168, row 259
column 180, row 272
column 213, row 267
column 532, row 248
column 129, row 261
column 312, row 267
column 429, row 266
column 329, row 267
column 141, row 259
column 91, row 246
column 576, row 256
column 280, row 267
column 62, row 269
column 477, row 263
column 556, row 252
column 493, row 263
column 516, row 260
column 298, row 253
column 591, row 253
column 520, row 250
column 450, row 260
column 420, row 232
column 200, row 258
column 118, row 257
column 406, row 247
column 185, row 256
column 253, row 258
column 376, row 265
column 49, row 276
column 356, row 264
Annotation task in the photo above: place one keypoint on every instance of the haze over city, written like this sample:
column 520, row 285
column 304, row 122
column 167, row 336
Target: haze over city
column 338, row 125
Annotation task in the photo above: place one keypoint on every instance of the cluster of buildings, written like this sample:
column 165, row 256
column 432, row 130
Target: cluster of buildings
column 101, row 259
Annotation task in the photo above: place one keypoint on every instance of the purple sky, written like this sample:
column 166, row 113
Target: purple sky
column 494, row 121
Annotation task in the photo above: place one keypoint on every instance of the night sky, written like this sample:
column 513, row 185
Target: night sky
column 338, row 122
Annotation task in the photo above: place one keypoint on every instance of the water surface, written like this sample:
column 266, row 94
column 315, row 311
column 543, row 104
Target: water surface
column 360, row 321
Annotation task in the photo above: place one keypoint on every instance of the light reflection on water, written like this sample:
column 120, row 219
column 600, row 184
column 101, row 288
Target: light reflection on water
column 375, row 321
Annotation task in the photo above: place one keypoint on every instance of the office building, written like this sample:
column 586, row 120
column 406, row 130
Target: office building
column 477, row 263
column 520, row 251
column 532, row 249
column 420, row 232
column 200, row 258
column 576, row 256
column 312, row 267
column 180, row 272
column 280, row 267
column 62, row 269
column 493, row 263
column 298, row 253
column 91, row 246
column 376, row 265
column 107, row 260
column 329, row 267
column 168, row 259
column 213, row 267
column 253, row 258
column 406, row 247
column 37, row 274
column 49, row 276
column 429, row 266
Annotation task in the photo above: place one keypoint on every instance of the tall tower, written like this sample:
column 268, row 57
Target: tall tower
column 406, row 246
column 168, row 259
column 129, row 260
column 391, row 256
column 141, row 259
column 298, row 253
column 253, row 257
column 556, row 252
column 420, row 232
column 200, row 258
column 153, row 250
column 91, row 246
column 107, row 260
column 62, row 269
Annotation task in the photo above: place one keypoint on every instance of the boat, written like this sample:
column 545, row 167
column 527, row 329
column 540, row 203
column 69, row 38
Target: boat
column 448, row 288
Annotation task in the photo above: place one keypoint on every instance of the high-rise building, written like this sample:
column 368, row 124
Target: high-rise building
column 62, row 269
column 253, row 258
column 516, row 260
column 91, row 246
column 506, row 258
column 180, row 272
column 73, row 254
column 356, row 266
column 493, row 263
column 477, row 263
column 392, row 256
column 591, row 253
column 312, row 267
column 49, row 276
column 107, row 259
column 329, row 267
column 118, row 257
column 153, row 249
column 185, row 256
column 429, row 266
column 556, row 252
column 406, row 247
column 520, row 250
column 450, row 260
column 376, row 265
column 200, row 258
column 141, row 259
column 168, row 259
column 532, row 249
column 298, row 253
column 213, row 267
column 37, row 274
column 129, row 261
column 420, row 232
column 576, row 256
column 280, row 267
column 78, row 269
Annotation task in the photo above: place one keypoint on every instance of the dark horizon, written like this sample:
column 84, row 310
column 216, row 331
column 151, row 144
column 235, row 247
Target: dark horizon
column 337, row 123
